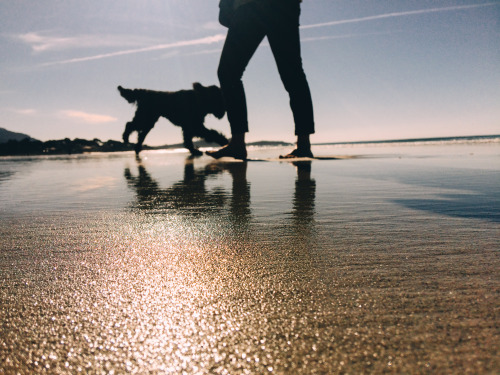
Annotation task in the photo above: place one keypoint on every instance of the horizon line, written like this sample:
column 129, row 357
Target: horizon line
column 395, row 140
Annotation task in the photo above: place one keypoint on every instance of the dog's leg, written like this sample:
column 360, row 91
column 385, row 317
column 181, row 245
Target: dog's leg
column 188, row 143
column 129, row 128
column 137, row 123
column 144, row 120
column 140, row 139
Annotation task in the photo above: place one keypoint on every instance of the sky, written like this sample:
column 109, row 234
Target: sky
column 377, row 69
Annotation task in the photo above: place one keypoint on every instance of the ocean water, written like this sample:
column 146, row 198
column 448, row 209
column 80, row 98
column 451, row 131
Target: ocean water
column 383, row 260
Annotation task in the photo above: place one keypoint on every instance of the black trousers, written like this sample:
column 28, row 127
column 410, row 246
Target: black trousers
column 279, row 21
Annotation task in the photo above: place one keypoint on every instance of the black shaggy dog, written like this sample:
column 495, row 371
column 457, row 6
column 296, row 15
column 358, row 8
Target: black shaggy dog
column 185, row 108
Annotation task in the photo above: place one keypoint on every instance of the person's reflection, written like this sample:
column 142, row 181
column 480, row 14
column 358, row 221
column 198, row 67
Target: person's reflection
column 239, row 205
column 302, row 228
column 304, row 195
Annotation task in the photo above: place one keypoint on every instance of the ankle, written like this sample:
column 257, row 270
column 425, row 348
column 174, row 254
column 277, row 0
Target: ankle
column 238, row 140
column 303, row 142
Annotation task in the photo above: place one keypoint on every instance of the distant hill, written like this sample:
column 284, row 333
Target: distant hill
column 7, row 135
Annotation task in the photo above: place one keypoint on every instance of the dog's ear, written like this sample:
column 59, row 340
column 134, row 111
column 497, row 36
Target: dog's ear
column 197, row 86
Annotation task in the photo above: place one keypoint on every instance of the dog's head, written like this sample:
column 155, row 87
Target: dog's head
column 212, row 99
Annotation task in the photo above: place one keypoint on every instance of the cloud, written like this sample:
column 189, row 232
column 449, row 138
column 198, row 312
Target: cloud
column 90, row 118
column 168, row 55
column 24, row 111
column 176, row 53
column 396, row 14
column 194, row 42
column 43, row 43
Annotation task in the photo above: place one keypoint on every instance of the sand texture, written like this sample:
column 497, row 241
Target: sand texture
column 384, row 261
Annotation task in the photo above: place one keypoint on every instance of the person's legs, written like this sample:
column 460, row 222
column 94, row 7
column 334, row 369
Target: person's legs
column 243, row 37
column 284, row 40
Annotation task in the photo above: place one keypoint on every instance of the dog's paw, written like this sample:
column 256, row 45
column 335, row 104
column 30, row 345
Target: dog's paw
column 138, row 148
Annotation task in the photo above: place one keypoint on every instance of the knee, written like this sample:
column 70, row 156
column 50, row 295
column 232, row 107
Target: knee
column 228, row 76
column 294, row 81
column 222, row 75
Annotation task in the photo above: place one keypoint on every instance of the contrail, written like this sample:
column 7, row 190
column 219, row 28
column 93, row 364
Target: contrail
column 398, row 14
column 345, row 36
column 194, row 42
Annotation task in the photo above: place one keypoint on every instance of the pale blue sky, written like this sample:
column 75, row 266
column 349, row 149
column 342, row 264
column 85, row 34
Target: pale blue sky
column 378, row 69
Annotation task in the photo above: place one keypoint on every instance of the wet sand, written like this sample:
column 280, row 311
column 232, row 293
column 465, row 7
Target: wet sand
column 385, row 261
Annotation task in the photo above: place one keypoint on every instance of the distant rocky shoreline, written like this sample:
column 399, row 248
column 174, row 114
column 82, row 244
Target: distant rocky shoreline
column 63, row 146
column 29, row 146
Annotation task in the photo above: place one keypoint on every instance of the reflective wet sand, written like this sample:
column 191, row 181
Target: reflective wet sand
column 383, row 263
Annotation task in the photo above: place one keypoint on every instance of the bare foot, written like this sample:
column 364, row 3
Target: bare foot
column 229, row 151
column 298, row 153
column 196, row 152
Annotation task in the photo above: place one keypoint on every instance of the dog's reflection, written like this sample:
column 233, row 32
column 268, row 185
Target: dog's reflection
column 191, row 195
column 239, row 200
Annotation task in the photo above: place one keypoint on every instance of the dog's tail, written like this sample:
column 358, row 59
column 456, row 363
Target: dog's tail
column 129, row 95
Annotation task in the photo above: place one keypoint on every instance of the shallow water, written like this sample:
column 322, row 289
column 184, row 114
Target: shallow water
column 386, row 261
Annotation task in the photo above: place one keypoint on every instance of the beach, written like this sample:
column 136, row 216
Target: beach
column 381, row 258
